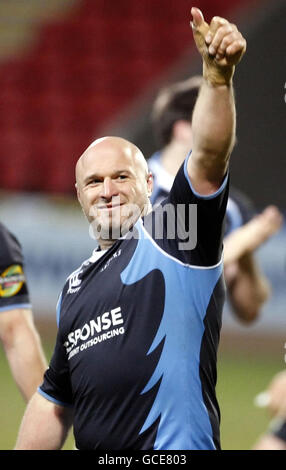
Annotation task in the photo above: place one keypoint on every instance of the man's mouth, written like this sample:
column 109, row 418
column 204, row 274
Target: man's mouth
column 109, row 206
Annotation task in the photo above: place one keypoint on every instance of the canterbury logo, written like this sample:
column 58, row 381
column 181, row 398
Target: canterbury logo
column 74, row 282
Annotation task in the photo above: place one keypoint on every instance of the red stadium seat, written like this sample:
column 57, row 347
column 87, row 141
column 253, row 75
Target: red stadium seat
column 84, row 70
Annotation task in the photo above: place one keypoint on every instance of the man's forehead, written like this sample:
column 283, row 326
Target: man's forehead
column 105, row 160
column 110, row 154
column 102, row 153
column 112, row 144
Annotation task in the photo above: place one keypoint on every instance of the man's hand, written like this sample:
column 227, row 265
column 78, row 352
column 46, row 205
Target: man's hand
column 221, row 46
column 268, row 223
column 277, row 393
column 246, row 239
column 275, row 396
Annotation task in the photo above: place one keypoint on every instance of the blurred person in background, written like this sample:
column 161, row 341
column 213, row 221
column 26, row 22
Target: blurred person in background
column 247, row 287
column 134, row 366
column 18, row 334
column 275, row 400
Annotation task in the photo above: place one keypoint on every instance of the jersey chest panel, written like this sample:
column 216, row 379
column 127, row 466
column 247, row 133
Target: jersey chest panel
column 138, row 345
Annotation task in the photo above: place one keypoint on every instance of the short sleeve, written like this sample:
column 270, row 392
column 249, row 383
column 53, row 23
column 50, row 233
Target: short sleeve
column 196, row 237
column 56, row 386
column 13, row 284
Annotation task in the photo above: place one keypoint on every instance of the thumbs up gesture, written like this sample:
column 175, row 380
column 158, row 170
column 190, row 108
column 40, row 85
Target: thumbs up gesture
column 221, row 46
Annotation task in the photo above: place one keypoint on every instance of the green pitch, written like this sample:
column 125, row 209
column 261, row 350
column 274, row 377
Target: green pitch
column 240, row 377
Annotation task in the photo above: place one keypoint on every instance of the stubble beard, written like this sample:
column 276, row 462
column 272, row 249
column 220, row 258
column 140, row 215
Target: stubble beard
column 112, row 225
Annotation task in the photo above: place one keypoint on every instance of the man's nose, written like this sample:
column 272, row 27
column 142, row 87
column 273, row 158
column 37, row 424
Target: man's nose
column 109, row 188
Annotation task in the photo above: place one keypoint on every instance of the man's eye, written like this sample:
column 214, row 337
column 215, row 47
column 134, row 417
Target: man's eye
column 95, row 181
column 122, row 177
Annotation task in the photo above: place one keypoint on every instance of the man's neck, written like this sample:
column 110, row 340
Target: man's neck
column 106, row 244
column 172, row 156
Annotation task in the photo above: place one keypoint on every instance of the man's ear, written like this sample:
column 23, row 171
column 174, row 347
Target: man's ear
column 182, row 131
column 150, row 183
column 77, row 193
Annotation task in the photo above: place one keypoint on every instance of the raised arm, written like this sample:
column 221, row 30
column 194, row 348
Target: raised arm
column 44, row 426
column 221, row 46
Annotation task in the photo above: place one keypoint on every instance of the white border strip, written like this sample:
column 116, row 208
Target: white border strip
column 16, row 307
column 204, row 196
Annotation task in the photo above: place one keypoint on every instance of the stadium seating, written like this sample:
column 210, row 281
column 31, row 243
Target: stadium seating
column 83, row 69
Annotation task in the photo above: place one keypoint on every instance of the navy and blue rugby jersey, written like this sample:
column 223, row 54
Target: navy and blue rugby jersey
column 13, row 286
column 278, row 428
column 239, row 209
column 138, row 331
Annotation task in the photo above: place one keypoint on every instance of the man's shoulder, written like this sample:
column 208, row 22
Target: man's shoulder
column 6, row 237
column 10, row 248
column 240, row 210
column 241, row 199
column 75, row 277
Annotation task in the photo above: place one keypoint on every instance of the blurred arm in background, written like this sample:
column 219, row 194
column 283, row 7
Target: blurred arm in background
column 275, row 437
column 23, row 349
column 248, row 288
column 18, row 334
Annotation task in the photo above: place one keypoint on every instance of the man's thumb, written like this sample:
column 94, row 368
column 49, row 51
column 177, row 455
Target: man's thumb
column 198, row 17
column 200, row 30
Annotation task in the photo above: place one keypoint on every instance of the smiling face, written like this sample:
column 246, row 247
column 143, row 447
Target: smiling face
column 113, row 186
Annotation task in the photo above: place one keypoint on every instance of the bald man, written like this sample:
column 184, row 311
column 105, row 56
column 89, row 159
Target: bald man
column 134, row 366
column 113, row 187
